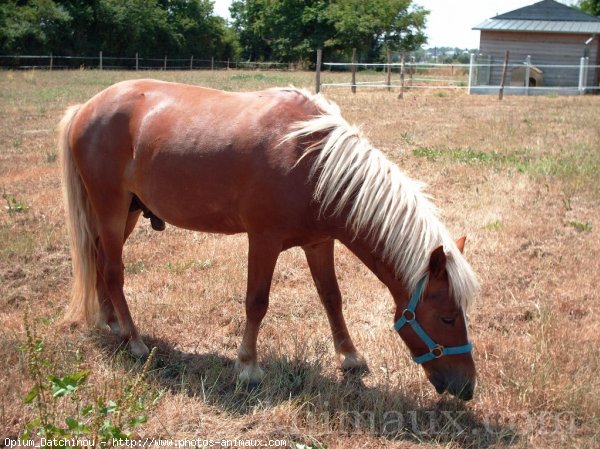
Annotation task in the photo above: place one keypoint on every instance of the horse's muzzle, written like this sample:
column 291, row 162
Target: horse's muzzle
column 460, row 387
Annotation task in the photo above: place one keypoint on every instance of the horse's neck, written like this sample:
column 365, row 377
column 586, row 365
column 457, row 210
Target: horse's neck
column 363, row 249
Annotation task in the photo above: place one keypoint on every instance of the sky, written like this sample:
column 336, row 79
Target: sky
column 450, row 21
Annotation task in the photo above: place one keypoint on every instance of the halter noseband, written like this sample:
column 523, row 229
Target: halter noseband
column 435, row 351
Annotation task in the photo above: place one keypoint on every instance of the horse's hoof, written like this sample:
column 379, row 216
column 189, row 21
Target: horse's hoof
column 360, row 370
column 139, row 350
column 251, row 375
column 157, row 224
column 114, row 327
column 354, row 363
column 251, row 386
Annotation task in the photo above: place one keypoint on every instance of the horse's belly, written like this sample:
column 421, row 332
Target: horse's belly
column 215, row 223
column 198, row 207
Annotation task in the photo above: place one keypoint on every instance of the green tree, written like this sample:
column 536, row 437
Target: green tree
column 371, row 25
column 36, row 26
column 178, row 28
column 196, row 30
column 129, row 26
column 249, row 22
column 291, row 30
column 590, row 6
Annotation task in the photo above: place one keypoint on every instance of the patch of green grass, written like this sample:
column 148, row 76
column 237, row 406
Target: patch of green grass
column 495, row 225
column 50, row 94
column 266, row 78
column 580, row 165
column 180, row 266
column 580, row 226
column 462, row 155
column 137, row 267
column 15, row 243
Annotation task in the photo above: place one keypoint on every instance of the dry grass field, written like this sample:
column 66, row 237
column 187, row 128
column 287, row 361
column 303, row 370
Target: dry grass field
column 521, row 178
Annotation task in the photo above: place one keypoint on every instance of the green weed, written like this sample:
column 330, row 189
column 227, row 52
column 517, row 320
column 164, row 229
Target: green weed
column 580, row 226
column 51, row 157
column 17, row 142
column 61, row 413
column 13, row 205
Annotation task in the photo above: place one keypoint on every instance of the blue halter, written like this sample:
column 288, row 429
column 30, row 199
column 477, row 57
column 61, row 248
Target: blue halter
column 435, row 351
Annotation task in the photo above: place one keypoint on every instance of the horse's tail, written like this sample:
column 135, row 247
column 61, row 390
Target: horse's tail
column 81, row 228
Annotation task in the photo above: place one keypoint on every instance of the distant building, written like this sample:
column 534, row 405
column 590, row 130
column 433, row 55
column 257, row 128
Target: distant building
column 551, row 33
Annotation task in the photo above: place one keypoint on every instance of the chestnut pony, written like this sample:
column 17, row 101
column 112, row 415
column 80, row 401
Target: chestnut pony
column 282, row 166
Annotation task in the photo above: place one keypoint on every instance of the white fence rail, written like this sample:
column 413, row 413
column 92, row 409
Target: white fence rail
column 478, row 76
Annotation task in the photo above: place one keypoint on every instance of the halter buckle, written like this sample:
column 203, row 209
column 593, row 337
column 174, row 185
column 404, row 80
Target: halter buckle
column 438, row 351
column 408, row 315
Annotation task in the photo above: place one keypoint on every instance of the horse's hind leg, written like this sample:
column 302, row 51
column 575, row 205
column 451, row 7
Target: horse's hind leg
column 114, row 226
column 262, row 257
column 107, row 311
column 322, row 267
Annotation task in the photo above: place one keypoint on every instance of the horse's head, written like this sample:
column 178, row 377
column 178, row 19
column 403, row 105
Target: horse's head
column 434, row 328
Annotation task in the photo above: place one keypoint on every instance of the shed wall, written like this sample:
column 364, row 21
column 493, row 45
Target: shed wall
column 544, row 48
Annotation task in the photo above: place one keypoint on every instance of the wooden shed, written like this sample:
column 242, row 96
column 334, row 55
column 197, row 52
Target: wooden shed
column 553, row 34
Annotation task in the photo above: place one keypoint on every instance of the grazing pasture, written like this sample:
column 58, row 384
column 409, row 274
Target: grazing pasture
column 521, row 178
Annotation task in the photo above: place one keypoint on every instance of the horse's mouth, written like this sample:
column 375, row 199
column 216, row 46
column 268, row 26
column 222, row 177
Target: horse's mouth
column 461, row 390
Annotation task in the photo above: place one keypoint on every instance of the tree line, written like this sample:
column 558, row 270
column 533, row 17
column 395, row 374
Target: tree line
column 259, row 30
column 178, row 28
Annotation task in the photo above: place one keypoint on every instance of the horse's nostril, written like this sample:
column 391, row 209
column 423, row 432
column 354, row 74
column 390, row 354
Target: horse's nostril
column 439, row 383
column 462, row 390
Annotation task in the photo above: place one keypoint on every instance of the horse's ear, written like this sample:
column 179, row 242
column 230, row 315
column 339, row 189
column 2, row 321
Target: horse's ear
column 460, row 243
column 437, row 263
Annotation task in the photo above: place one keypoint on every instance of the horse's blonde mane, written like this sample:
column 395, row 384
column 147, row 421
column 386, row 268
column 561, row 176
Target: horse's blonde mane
column 383, row 204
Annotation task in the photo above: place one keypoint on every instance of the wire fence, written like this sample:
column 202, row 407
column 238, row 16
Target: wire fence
column 102, row 62
column 479, row 76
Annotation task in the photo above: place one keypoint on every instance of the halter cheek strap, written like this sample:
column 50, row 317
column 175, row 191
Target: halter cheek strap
column 435, row 350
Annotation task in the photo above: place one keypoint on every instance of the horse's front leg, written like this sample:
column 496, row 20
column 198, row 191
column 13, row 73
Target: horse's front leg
column 322, row 267
column 262, row 257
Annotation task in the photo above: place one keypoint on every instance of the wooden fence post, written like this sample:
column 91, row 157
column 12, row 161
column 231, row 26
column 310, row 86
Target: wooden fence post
column 212, row 62
column 504, row 67
column 527, row 73
column 137, row 61
column 192, row 62
column 401, row 94
column 51, row 61
column 100, row 59
column 227, row 63
column 318, row 71
column 165, row 63
column 388, row 70
column 353, row 88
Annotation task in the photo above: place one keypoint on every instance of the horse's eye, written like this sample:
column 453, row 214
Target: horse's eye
column 448, row 320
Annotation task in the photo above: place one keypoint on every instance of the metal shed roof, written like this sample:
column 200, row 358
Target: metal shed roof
column 545, row 16
column 548, row 10
column 540, row 26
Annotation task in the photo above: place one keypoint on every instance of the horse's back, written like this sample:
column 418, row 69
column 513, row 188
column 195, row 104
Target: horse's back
column 199, row 158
